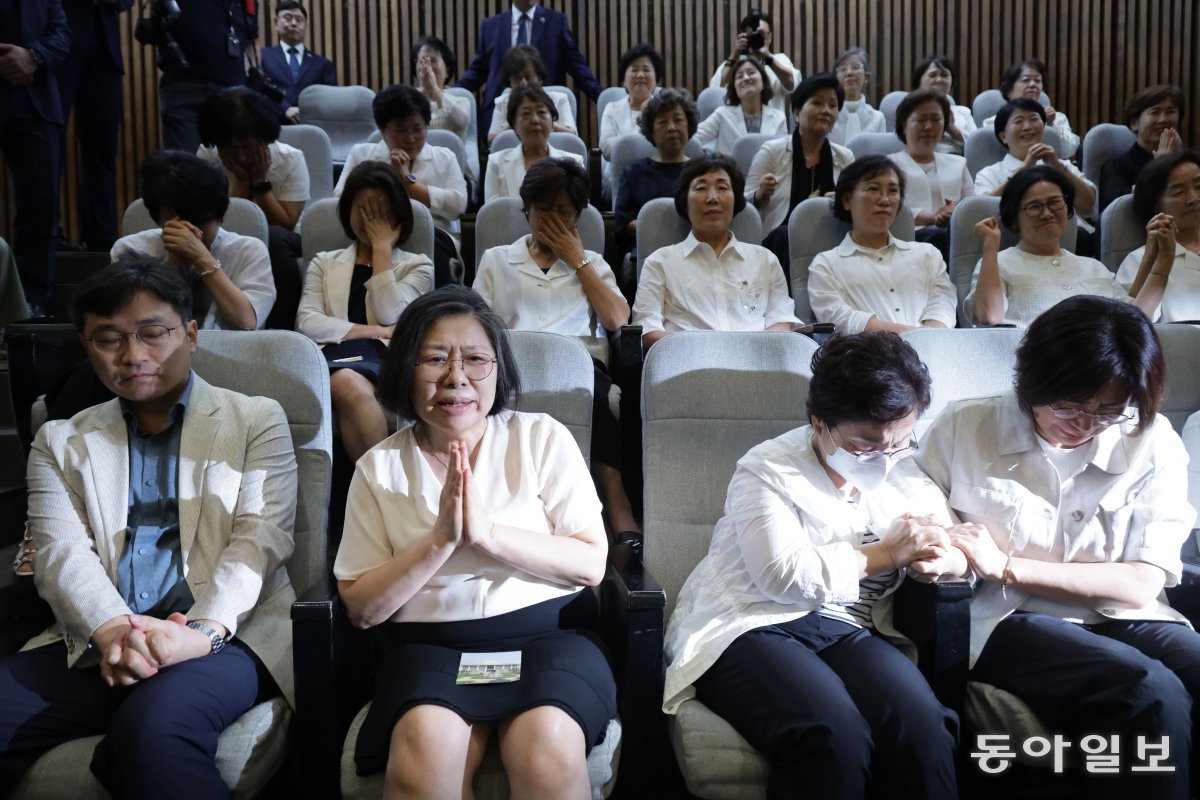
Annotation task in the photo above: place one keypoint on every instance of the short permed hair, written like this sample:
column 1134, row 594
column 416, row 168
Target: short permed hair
column 194, row 189
column 643, row 50
column 1150, row 97
column 667, row 100
column 873, row 376
column 917, row 98
column 702, row 165
column 534, row 93
column 237, row 113
column 862, row 169
column 380, row 175
column 109, row 289
column 1019, row 184
column 941, row 61
column 547, row 178
column 1011, row 107
column 397, row 102
column 815, row 83
column 1011, row 75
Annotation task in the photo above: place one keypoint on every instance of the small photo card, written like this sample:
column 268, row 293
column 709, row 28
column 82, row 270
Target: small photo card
column 489, row 668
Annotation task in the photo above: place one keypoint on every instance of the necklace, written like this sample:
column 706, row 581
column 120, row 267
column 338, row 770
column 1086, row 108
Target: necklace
column 430, row 451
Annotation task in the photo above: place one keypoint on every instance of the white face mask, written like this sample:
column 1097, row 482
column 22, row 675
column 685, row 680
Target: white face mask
column 865, row 476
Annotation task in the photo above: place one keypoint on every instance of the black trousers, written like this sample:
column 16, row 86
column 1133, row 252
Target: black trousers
column 30, row 146
column 284, row 247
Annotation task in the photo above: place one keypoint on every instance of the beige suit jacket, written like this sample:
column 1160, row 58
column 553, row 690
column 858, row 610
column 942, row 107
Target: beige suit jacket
column 237, row 504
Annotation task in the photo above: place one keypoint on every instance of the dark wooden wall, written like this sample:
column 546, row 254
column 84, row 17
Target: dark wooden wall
column 1099, row 51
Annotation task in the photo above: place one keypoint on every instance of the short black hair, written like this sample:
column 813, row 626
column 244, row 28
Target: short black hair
column 380, row 175
column 815, row 83
column 235, row 113
column 1078, row 347
column 397, row 102
column 1019, row 184
column 518, row 58
column 1150, row 97
column 702, row 165
column 1152, row 182
column 398, row 376
column 535, row 93
column 448, row 57
column 861, row 169
column 1011, row 107
column 184, row 183
column 941, row 61
column 290, row 5
column 751, row 20
column 666, row 100
column 916, row 98
column 107, row 290
column 1009, row 79
column 731, row 95
column 853, row 52
column 547, row 178
column 643, row 50
column 873, row 376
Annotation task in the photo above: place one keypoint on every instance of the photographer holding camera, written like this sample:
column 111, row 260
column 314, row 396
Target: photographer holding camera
column 201, row 49
column 755, row 38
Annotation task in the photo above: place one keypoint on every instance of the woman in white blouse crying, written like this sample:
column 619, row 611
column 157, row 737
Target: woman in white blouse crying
column 781, row 628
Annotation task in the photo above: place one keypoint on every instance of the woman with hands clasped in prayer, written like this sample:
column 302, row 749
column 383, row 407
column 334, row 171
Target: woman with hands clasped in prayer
column 1154, row 115
column 433, row 65
column 781, row 629
column 469, row 532
column 353, row 297
column 1074, row 494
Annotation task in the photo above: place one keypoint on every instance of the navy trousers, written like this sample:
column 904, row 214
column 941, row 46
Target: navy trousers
column 1127, row 678
column 158, row 734
column 838, row 712
column 30, row 146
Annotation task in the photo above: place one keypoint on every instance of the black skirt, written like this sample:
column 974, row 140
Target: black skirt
column 560, row 666
column 369, row 353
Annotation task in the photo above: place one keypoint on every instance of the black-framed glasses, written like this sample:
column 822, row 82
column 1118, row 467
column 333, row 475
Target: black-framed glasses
column 1035, row 208
column 151, row 336
column 874, row 456
column 1103, row 420
column 476, row 367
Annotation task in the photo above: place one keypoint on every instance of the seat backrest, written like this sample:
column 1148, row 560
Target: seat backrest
column 659, row 225
column 875, row 144
column 571, row 99
column 557, row 378
column 1100, row 143
column 709, row 100
column 558, row 139
column 963, row 364
column 707, row 398
column 813, row 229
column 988, row 102
column 343, row 112
column 323, row 231
column 318, row 156
column 887, row 107
column 966, row 249
column 288, row 368
column 244, row 217
column 983, row 148
column 472, row 136
column 1120, row 232
column 1180, row 344
column 747, row 147
column 630, row 147
column 609, row 95
column 501, row 221
column 450, row 141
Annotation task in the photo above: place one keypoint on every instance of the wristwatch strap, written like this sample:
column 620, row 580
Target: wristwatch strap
column 218, row 642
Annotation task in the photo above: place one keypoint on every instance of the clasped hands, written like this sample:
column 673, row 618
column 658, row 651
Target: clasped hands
column 929, row 548
column 135, row 647
column 184, row 245
column 461, row 517
column 17, row 65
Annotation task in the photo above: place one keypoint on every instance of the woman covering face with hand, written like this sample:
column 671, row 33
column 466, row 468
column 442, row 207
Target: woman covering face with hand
column 433, row 66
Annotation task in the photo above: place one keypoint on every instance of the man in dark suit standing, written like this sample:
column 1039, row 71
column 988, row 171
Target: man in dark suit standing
column 291, row 65
column 89, row 80
column 34, row 38
column 526, row 23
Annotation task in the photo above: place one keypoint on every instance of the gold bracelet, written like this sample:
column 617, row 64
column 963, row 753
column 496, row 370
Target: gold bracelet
column 587, row 262
column 216, row 267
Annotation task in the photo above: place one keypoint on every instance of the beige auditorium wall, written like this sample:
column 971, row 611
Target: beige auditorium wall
column 1098, row 51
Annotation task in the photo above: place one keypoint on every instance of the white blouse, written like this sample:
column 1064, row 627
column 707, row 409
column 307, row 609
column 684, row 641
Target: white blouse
column 992, row 177
column 776, row 157
column 506, row 171
column 727, row 124
column 950, row 171
column 1181, row 298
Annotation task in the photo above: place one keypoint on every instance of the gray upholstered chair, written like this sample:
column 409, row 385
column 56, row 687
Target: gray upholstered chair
column 660, row 225
column 289, row 368
column 558, row 139
column 709, row 100
column 502, row 221
column 471, row 139
column 1180, row 344
column 323, row 231
column 988, row 102
column 243, row 216
column 572, row 101
column 983, row 149
column 438, row 138
column 747, row 147
column 609, row 95
column 1120, row 232
column 343, row 112
column 1100, row 143
column 318, row 156
column 875, row 144
column 813, row 229
column 887, row 107
column 632, row 146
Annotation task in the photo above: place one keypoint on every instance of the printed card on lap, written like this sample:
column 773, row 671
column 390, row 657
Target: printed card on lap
column 489, row 668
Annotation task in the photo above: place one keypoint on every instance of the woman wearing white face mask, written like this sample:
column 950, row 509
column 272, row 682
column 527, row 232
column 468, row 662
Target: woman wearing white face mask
column 775, row 629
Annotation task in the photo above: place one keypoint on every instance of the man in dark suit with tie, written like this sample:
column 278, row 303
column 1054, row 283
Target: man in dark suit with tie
column 89, row 80
column 526, row 23
column 34, row 38
column 291, row 65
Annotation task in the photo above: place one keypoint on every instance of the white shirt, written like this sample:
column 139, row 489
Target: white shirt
column 857, row 116
column 780, row 97
column 776, row 157
column 287, row 172
column 1181, row 298
column 516, row 23
column 727, row 124
column 530, row 477
column 953, row 180
column 562, row 105
column 1191, row 441
column 323, row 306
column 506, row 171
column 527, row 299
column 1031, row 284
column 993, row 177
column 244, row 260
column 453, row 113
column 1070, row 139
column 436, row 167
column 784, row 547
column 903, row 282
column 686, row 287
column 1129, row 503
column 619, row 119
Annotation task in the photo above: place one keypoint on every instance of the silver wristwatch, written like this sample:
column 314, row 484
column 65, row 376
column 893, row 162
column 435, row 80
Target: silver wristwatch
column 218, row 642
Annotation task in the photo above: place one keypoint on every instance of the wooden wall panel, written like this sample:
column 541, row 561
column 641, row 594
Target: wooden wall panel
column 1099, row 52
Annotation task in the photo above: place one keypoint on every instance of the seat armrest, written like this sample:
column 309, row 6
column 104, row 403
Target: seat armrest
column 625, row 349
column 936, row 617
column 317, row 656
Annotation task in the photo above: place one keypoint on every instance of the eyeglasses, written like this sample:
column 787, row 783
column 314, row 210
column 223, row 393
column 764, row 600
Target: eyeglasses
column 151, row 336
column 853, row 67
column 875, row 456
column 1053, row 205
column 475, row 367
column 1103, row 420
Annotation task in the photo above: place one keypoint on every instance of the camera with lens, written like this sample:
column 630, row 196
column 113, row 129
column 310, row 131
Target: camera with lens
column 755, row 40
column 156, row 30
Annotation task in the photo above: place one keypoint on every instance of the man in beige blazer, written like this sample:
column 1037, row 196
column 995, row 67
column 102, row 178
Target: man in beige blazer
column 162, row 521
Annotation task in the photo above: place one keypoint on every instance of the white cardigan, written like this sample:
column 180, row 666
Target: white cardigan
column 954, row 180
column 728, row 124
